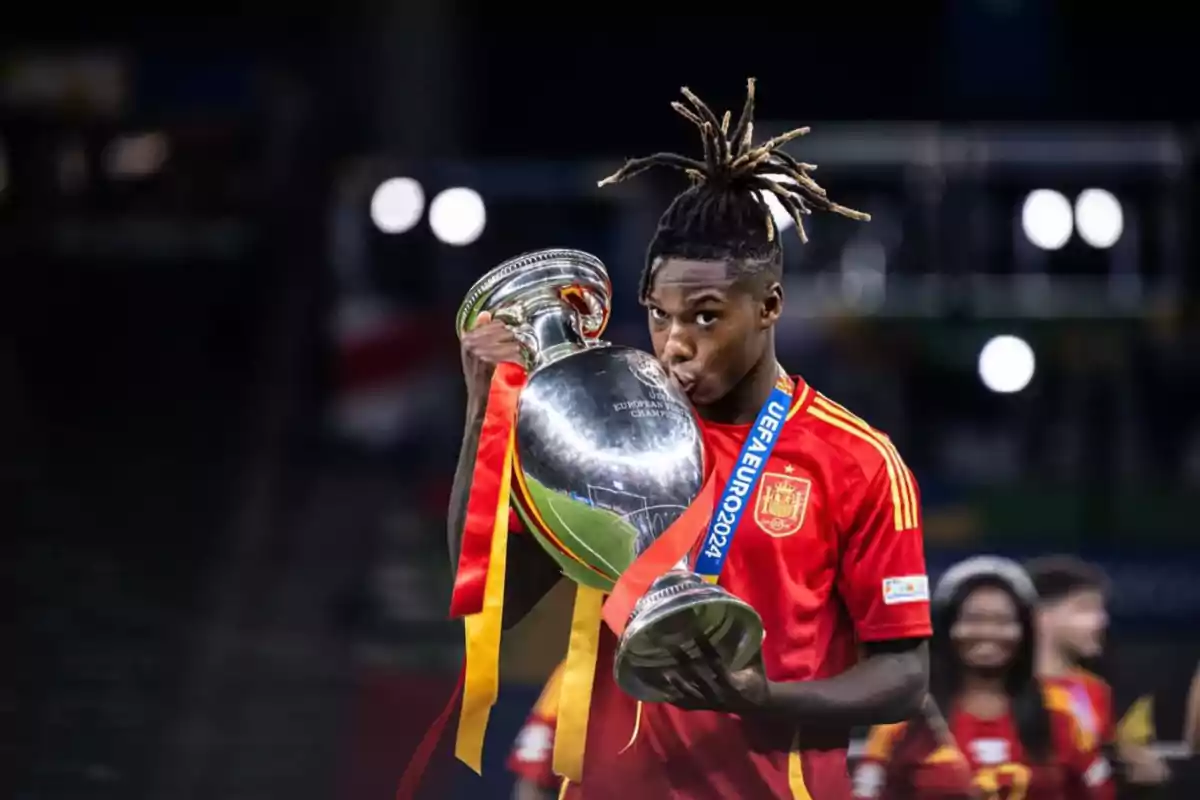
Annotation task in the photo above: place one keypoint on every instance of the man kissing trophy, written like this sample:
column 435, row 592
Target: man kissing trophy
column 606, row 455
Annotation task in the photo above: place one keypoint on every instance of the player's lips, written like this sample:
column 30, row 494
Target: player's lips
column 686, row 382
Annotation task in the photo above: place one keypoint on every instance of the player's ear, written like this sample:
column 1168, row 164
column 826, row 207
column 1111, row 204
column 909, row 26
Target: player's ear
column 772, row 304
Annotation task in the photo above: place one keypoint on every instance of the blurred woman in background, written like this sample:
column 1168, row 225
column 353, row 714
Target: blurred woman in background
column 1005, row 735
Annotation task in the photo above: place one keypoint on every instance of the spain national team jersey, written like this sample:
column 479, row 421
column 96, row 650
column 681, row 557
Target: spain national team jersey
column 985, row 760
column 830, row 554
column 1091, row 702
column 532, row 754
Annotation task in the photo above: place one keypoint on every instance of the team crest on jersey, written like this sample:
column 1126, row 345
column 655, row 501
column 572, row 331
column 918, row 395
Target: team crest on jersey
column 782, row 501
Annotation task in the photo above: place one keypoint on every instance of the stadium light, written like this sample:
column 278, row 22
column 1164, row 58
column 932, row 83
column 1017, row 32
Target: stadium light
column 1099, row 218
column 397, row 205
column 457, row 216
column 1006, row 364
column 1046, row 219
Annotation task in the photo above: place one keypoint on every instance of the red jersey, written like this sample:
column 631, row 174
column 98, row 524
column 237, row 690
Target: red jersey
column 533, row 753
column 1091, row 702
column 985, row 761
column 830, row 554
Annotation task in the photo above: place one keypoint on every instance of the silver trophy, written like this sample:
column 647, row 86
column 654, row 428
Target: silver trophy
column 608, row 455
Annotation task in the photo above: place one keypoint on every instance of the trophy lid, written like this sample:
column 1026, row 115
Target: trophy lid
column 574, row 276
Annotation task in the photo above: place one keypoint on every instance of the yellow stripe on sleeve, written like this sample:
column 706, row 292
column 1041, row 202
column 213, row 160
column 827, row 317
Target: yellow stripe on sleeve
column 900, row 480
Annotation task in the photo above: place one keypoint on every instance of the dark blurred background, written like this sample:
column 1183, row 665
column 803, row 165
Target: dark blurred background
column 230, row 400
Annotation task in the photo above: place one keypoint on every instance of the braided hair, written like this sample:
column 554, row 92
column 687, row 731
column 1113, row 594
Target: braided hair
column 723, row 215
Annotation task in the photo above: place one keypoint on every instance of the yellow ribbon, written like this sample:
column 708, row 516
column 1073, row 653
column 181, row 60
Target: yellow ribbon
column 482, row 683
column 575, row 694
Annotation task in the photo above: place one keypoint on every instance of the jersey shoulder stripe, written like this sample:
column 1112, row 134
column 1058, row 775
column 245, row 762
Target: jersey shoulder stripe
column 900, row 479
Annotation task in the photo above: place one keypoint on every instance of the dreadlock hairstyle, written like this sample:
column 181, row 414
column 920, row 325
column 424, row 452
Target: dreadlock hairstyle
column 723, row 215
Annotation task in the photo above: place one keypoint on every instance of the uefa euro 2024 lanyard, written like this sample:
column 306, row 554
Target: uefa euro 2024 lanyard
column 743, row 479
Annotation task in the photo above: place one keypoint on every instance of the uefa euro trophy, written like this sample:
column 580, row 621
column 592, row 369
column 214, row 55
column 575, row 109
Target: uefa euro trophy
column 608, row 455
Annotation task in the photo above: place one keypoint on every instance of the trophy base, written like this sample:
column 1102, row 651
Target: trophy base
column 679, row 609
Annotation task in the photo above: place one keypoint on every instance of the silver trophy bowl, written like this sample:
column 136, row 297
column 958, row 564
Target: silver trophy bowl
column 608, row 455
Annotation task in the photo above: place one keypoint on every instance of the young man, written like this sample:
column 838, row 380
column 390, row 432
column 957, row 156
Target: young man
column 1072, row 620
column 532, row 753
column 829, row 550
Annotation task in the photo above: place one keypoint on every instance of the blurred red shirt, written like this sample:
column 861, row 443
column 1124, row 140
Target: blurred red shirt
column 830, row 553
column 985, row 761
column 1090, row 699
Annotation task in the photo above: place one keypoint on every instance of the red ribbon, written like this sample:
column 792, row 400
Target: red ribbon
column 475, row 551
column 411, row 779
column 474, row 555
column 676, row 542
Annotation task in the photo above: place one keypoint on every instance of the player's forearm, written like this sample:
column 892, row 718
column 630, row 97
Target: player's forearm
column 460, row 492
column 537, row 572
column 888, row 686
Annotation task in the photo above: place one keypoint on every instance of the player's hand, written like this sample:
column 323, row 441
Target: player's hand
column 1144, row 767
column 487, row 344
column 704, row 683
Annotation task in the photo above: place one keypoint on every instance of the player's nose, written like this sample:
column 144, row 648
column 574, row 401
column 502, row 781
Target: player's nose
column 678, row 349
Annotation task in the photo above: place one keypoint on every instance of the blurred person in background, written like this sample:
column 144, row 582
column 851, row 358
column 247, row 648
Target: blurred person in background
column 532, row 756
column 1007, row 734
column 1072, row 619
column 856, row 574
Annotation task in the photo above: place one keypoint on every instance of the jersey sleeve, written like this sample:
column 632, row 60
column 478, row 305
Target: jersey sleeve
column 532, row 756
column 515, row 525
column 882, row 575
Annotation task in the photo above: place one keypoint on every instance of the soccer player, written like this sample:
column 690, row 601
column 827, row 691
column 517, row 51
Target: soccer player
column 531, row 756
column 1007, row 735
column 1071, row 622
column 829, row 548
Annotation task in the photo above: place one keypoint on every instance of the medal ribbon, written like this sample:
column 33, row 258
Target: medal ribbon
column 743, row 478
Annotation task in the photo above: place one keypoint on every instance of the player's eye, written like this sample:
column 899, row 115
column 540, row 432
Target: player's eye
column 706, row 319
column 657, row 314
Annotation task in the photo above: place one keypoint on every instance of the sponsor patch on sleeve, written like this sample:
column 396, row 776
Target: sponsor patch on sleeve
column 906, row 589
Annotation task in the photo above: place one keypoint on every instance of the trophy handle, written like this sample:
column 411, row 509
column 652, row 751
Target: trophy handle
column 593, row 310
column 568, row 278
column 546, row 327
